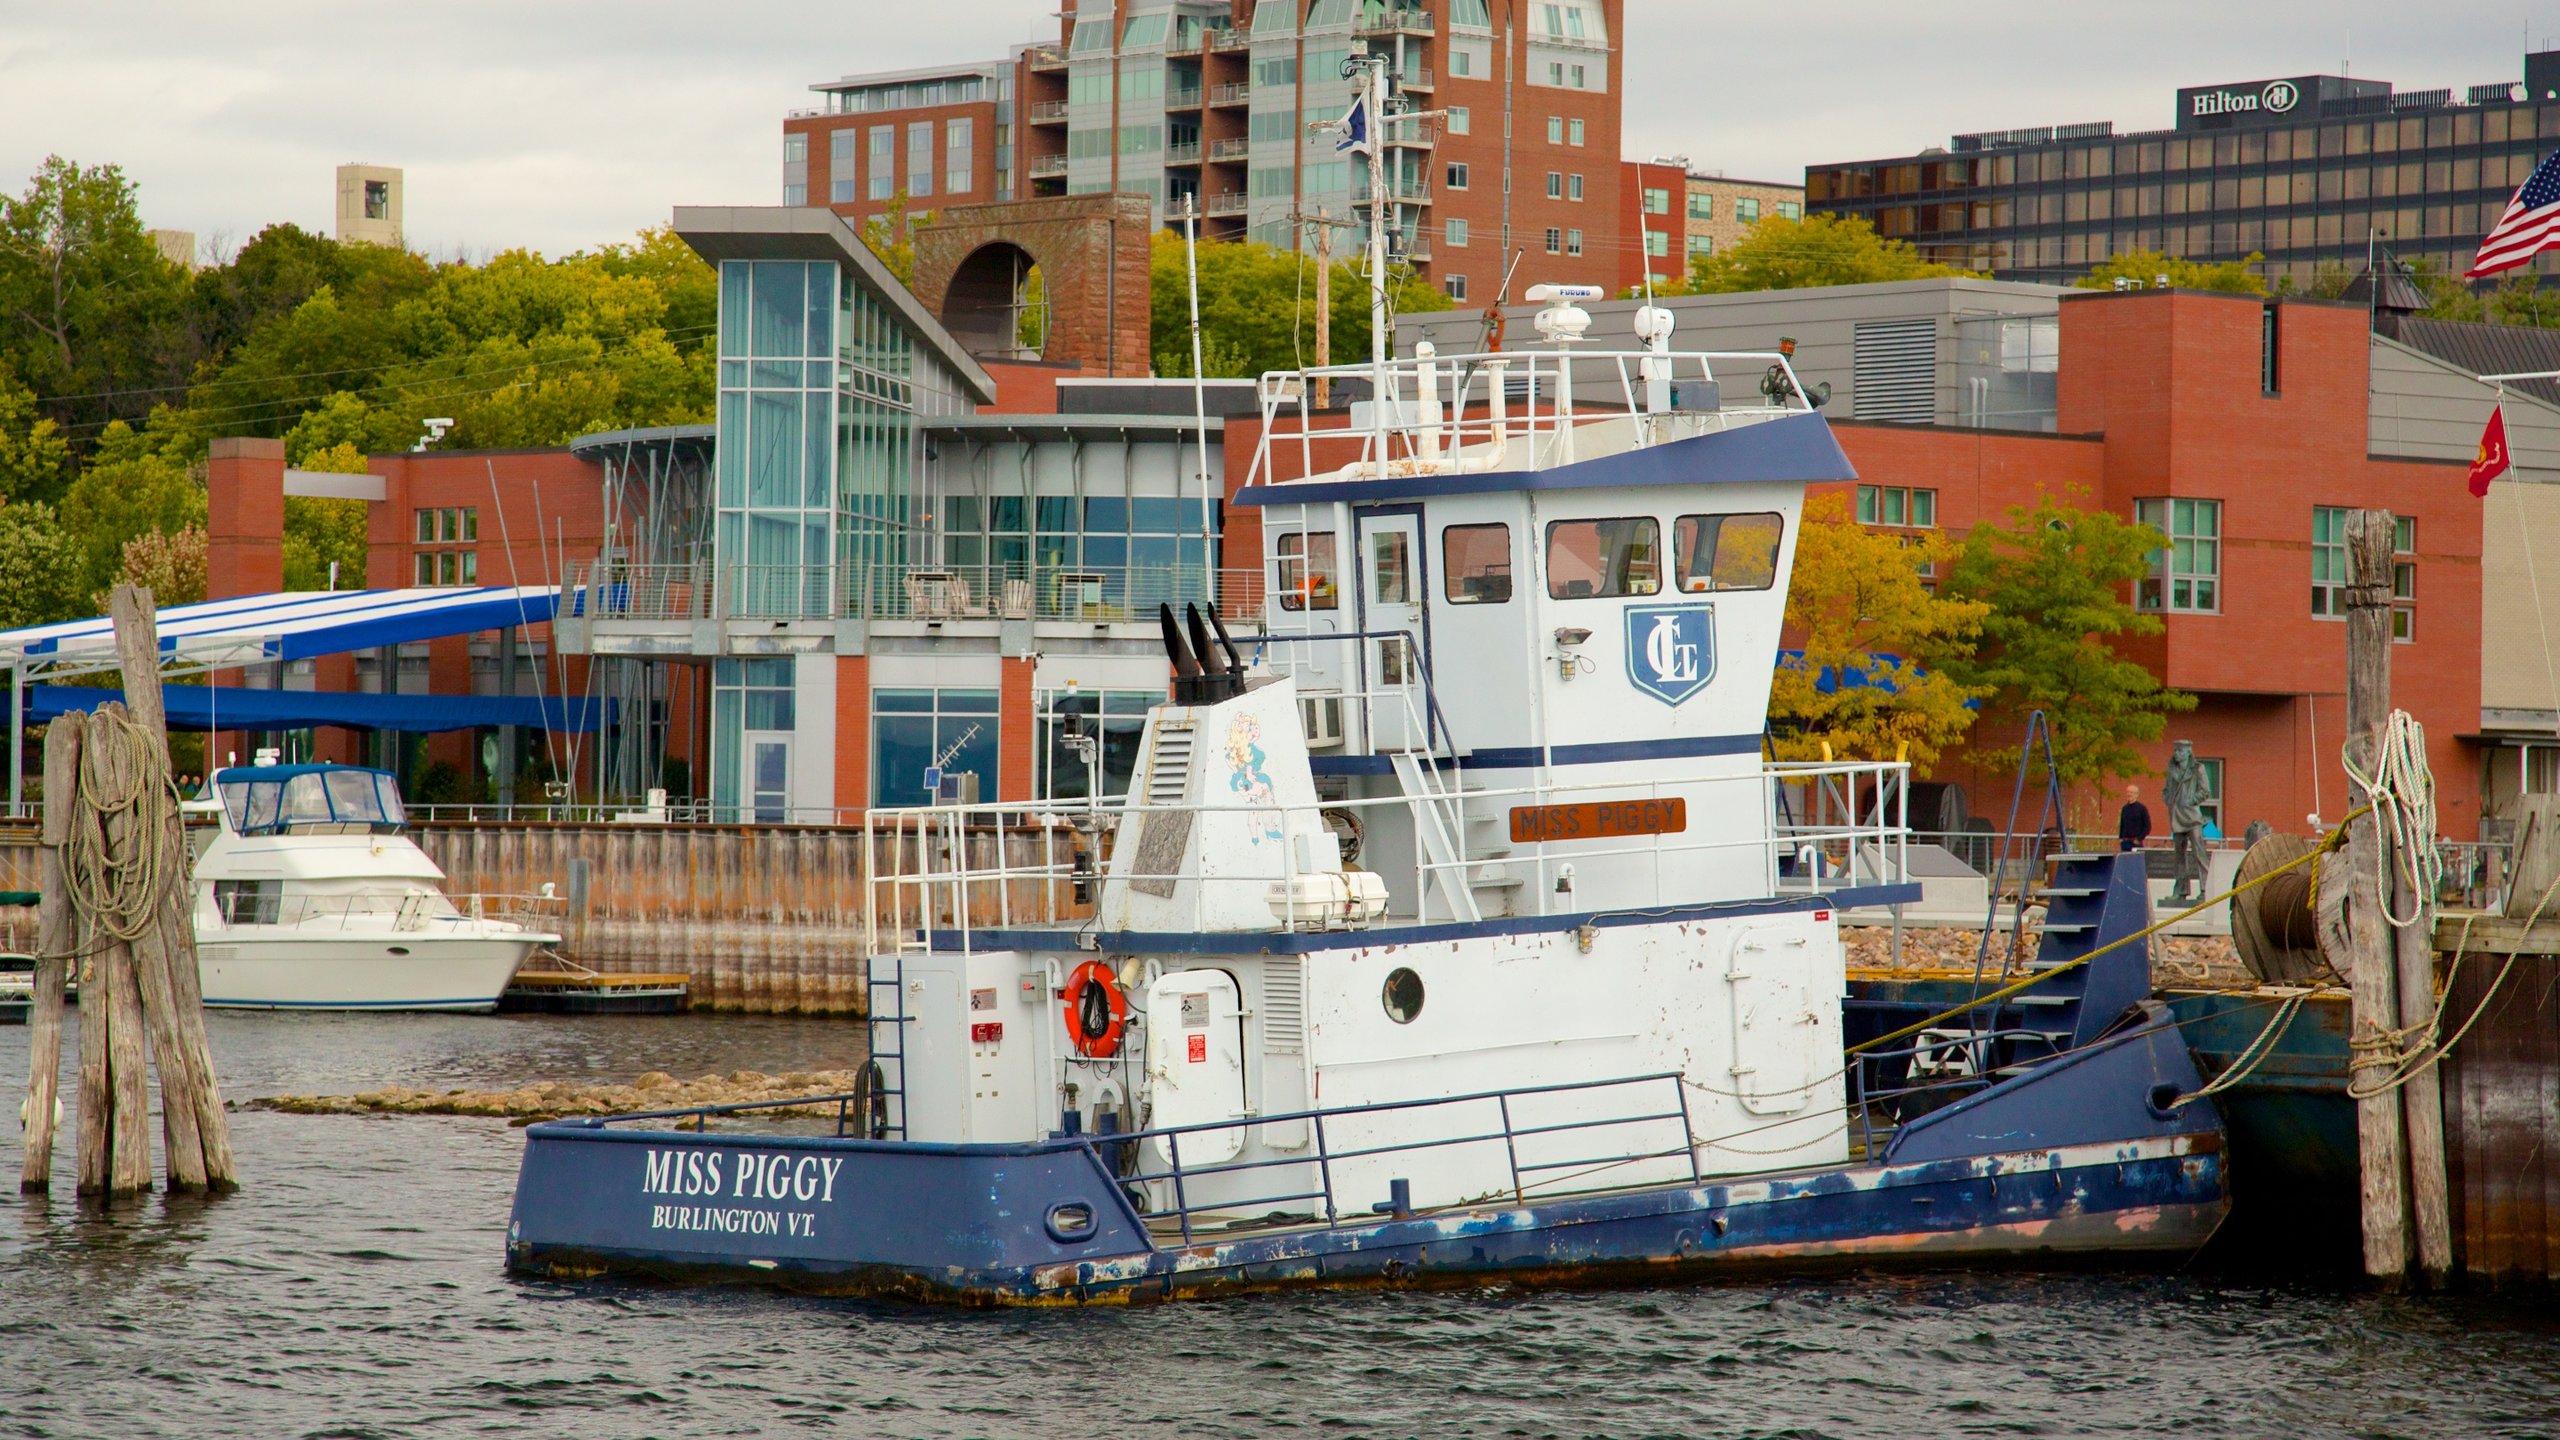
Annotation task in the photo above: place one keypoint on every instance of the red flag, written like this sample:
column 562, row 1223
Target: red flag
column 2492, row 460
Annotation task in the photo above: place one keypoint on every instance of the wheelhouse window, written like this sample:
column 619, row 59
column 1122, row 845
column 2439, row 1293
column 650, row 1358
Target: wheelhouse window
column 1728, row 552
column 1596, row 559
column 1476, row 561
column 1306, row 564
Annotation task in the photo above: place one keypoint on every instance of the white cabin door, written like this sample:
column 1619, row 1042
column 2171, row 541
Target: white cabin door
column 1195, row 1064
column 767, row 781
column 1391, row 590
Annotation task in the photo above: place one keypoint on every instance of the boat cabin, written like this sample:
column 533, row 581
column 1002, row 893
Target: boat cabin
column 308, row 800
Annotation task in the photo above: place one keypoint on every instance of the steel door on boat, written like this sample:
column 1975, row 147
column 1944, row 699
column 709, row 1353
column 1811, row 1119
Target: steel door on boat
column 1393, row 662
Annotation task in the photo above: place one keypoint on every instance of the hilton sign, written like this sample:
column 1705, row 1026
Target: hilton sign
column 2276, row 97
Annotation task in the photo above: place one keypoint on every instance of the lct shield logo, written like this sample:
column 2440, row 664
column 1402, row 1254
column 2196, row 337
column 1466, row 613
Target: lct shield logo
column 1671, row 649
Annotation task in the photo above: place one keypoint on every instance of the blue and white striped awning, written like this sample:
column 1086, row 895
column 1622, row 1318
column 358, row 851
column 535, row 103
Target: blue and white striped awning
column 294, row 625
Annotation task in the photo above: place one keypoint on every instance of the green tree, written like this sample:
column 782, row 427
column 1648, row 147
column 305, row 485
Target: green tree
column 2142, row 269
column 891, row 234
column 1884, row 646
column 2052, row 584
column 320, row 532
column 35, row 459
column 85, row 296
column 171, row 566
column 132, row 485
column 39, row 567
column 1258, row 308
column 1824, row 249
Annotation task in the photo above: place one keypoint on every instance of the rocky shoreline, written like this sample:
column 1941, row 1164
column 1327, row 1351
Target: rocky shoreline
column 556, row 1099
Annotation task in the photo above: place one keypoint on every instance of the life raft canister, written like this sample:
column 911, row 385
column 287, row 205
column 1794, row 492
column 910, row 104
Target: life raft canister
column 1096, row 1011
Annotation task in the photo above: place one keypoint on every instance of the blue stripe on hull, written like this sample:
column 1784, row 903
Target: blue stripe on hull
column 1939, row 1213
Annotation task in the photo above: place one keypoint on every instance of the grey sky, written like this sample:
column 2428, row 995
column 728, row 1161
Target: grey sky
column 560, row 125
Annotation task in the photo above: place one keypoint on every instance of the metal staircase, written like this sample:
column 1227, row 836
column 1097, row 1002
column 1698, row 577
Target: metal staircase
column 2091, row 900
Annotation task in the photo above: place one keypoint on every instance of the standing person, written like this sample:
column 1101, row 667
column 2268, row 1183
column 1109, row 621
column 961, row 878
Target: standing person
column 2133, row 822
column 2182, row 791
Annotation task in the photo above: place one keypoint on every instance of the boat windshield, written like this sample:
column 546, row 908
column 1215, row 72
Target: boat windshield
column 323, row 799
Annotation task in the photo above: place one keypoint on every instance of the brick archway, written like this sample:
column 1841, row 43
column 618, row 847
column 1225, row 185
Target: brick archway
column 1092, row 251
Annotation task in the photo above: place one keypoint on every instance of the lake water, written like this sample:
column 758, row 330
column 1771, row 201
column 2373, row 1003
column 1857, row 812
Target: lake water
column 355, row 1289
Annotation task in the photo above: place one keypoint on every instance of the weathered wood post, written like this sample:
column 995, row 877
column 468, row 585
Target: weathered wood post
column 2350, row 889
column 57, row 952
column 2422, row 1095
column 196, row 1132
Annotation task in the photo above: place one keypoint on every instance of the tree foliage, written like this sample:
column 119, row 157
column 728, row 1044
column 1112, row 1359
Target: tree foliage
column 2142, row 269
column 2052, row 583
column 1886, row 646
column 134, row 484
column 320, row 532
column 891, row 234
column 35, row 459
column 39, row 567
column 1823, row 249
column 1258, row 308
column 171, row 566
column 86, row 298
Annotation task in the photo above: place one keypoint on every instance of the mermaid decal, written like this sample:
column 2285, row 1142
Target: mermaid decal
column 1248, row 778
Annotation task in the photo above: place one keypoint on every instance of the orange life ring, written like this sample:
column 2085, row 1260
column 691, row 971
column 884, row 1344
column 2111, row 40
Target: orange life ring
column 1096, row 1010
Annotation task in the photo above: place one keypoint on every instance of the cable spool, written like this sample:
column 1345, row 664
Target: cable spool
column 2274, row 926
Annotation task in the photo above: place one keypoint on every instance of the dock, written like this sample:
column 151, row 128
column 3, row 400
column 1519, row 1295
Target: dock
column 580, row 991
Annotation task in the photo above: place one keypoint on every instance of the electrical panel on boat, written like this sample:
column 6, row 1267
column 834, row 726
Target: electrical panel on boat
column 977, row 1063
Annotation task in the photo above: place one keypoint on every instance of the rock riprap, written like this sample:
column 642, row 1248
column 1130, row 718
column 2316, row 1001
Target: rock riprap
column 553, row 1099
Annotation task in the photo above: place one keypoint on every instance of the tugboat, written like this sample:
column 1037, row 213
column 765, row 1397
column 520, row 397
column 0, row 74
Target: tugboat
column 1456, row 935
column 1573, row 1012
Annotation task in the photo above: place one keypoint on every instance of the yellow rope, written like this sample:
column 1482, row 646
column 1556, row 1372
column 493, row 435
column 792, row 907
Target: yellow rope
column 116, row 884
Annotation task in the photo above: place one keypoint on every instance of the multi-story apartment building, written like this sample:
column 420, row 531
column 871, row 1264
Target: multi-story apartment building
column 1670, row 213
column 2305, row 170
column 1513, row 146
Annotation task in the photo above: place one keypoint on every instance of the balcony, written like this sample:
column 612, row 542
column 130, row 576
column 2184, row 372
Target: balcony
column 1184, row 99
column 1093, row 595
column 1073, row 594
column 1182, row 153
column 1044, row 167
column 1046, row 112
column 1044, row 58
column 1236, row 149
column 1418, row 78
column 1230, row 203
column 1229, row 40
column 1396, row 22
column 1233, row 92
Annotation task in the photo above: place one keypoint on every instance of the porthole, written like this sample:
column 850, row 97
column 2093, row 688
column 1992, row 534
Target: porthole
column 1403, row 995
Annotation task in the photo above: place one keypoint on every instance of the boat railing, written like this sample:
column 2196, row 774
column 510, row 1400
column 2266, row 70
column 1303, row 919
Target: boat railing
column 1502, row 1126
column 1844, row 829
column 398, row 911
column 1506, row 410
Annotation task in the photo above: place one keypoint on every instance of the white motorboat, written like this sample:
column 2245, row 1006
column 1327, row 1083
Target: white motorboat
column 310, row 898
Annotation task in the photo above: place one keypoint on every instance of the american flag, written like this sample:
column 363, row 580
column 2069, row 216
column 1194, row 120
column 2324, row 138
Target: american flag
column 2530, row 226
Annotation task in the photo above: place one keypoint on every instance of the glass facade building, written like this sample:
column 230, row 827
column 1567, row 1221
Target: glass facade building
column 2306, row 171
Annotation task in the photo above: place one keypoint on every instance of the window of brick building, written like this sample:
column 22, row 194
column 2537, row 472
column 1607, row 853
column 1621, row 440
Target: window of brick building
column 1457, row 175
column 1555, row 240
column 1897, row 505
column 1573, row 242
column 1456, row 286
column 1573, row 187
column 1573, row 131
column 1746, row 211
column 1555, row 129
column 1657, row 202
column 1555, row 184
column 443, row 531
column 2186, row 576
column 2329, row 569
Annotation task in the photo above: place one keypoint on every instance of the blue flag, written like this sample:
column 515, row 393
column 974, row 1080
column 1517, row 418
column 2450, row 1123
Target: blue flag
column 1355, row 130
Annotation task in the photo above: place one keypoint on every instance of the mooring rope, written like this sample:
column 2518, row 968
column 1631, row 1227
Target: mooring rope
column 2402, row 792
column 114, row 873
column 2406, row 1061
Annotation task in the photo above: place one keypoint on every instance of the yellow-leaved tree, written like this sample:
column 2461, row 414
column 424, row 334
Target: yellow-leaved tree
column 1866, row 674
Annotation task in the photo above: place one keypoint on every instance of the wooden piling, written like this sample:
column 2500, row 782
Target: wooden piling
column 195, row 1131
column 2422, row 1095
column 57, row 950
column 2355, row 872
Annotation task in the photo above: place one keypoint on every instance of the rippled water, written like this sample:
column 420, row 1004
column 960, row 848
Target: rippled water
column 355, row 1289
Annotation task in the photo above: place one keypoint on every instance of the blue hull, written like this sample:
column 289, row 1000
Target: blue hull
column 2077, row 1160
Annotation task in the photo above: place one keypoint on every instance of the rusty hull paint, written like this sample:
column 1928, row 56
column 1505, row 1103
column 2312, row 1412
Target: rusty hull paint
column 2033, row 1212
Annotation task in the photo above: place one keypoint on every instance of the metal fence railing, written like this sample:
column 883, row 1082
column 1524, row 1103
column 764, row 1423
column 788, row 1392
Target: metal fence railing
column 1095, row 593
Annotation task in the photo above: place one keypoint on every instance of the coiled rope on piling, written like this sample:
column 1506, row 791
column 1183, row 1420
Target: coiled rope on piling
column 114, row 873
column 2402, row 795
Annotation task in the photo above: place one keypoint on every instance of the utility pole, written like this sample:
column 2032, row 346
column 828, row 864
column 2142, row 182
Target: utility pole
column 1324, row 225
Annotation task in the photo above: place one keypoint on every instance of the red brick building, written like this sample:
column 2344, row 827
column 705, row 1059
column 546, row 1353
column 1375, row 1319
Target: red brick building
column 434, row 519
column 2169, row 396
column 1135, row 98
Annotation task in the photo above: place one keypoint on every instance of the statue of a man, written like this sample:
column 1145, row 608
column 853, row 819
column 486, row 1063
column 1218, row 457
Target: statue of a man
column 2182, row 792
